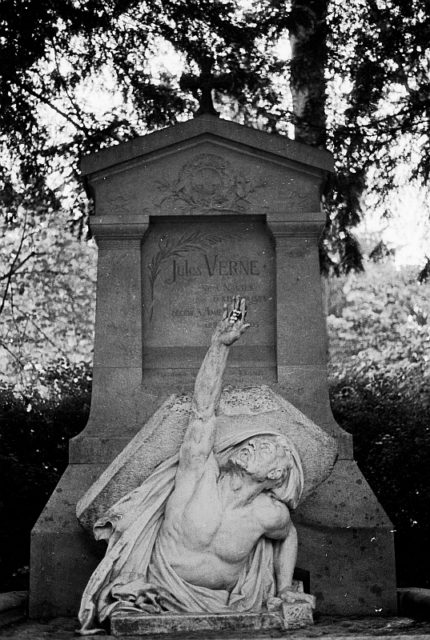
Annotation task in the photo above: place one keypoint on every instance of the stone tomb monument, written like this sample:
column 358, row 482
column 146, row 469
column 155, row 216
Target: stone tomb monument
column 185, row 218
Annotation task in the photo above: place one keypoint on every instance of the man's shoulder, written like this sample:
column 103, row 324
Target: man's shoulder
column 188, row 484
column 272, row 514
column 189, row 477
column 201, row 466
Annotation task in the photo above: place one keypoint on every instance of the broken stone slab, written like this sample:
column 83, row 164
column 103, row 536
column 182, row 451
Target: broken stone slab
column 13, row 600
column 414, row 602
column 241, row 409
column 295, row 616
column 13, row 605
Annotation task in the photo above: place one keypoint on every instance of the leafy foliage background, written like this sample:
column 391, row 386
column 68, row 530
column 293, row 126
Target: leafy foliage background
column 49, row 311
column 379, row 373
column 34, row 436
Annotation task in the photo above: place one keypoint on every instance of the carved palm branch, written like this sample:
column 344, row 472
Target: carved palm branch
column 178, row 247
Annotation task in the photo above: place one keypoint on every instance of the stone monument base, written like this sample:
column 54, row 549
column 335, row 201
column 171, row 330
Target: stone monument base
column 293, row 616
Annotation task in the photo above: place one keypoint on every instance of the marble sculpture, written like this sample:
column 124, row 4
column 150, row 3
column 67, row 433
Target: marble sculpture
column 210, row 530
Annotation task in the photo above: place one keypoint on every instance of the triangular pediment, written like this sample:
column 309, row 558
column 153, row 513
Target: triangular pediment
column 203, row 128
column 207, row 166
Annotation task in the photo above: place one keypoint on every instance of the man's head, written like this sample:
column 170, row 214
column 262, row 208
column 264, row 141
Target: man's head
column 264, row 458
column 272, row 460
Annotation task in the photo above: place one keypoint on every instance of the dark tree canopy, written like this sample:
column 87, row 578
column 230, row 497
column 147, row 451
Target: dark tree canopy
column 359, row 80
column 382, row 51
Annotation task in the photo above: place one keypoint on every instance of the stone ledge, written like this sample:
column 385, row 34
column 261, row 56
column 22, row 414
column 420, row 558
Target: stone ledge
column 13, row 600
column 414, row 602
column 135, row 624
column 325, row 628
column 13, row 605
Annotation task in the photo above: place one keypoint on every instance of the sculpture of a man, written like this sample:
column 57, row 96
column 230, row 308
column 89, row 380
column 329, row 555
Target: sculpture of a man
column 210, row 531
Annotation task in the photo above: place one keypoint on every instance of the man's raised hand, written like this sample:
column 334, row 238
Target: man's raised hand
column 233, row 324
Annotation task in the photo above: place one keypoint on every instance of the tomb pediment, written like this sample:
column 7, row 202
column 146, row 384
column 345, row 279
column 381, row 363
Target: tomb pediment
column 207, row 166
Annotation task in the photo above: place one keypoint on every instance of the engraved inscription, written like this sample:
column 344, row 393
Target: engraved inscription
column 212, row 265
column 191, row 269
column 170, row 248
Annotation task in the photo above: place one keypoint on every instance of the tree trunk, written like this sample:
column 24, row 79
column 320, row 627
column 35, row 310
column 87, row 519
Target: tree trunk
column 308, row 35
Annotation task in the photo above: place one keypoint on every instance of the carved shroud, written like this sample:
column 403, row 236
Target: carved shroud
column 134, row 574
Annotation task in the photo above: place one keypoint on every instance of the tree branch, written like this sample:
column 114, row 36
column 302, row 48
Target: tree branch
column 14, row 270
column 38, row 328
column 12, row 267
column 75, row 106
column 60, row 112
column 10, row 352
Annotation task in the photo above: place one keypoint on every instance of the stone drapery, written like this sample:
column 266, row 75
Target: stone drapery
column 134, row 574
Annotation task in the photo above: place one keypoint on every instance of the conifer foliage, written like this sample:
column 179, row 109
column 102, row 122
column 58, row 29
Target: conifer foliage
column 359, row 79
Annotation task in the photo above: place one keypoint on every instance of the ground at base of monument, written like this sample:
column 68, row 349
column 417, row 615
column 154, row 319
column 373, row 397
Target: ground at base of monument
column 377, row 628
column 294, row 616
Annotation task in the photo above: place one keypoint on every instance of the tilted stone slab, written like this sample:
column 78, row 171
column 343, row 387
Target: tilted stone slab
column 253, row 408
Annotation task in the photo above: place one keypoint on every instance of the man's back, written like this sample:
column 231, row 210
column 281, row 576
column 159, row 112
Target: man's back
column 212, row 523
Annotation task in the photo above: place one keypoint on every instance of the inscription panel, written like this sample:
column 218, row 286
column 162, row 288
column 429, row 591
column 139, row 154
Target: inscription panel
column 191, row 268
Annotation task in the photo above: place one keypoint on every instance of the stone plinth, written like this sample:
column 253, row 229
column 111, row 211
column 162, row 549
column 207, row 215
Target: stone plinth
column 294, row 616
column 185, row 218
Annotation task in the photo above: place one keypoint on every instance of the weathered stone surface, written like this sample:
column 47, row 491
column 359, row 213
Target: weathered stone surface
column 328, row 627
column 340, row 516
column 204, row 180
column 62, row 555
column 128, row 624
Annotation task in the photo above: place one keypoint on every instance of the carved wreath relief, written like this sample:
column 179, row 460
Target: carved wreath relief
column 207, row 183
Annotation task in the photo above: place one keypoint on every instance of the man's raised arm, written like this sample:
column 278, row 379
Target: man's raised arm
column 200, row 434
column 208, row 385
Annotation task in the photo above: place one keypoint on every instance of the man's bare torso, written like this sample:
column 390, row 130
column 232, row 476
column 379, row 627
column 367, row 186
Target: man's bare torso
column 213, row 521
column 207, row 535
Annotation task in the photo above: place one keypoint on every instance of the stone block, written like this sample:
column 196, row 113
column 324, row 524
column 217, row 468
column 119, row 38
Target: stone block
column 294, row 616
column 344, row 534
column 62, row 554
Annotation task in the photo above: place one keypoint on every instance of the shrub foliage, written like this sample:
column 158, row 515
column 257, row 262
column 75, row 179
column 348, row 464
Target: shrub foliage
column 379, row 325
column 33, row 454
